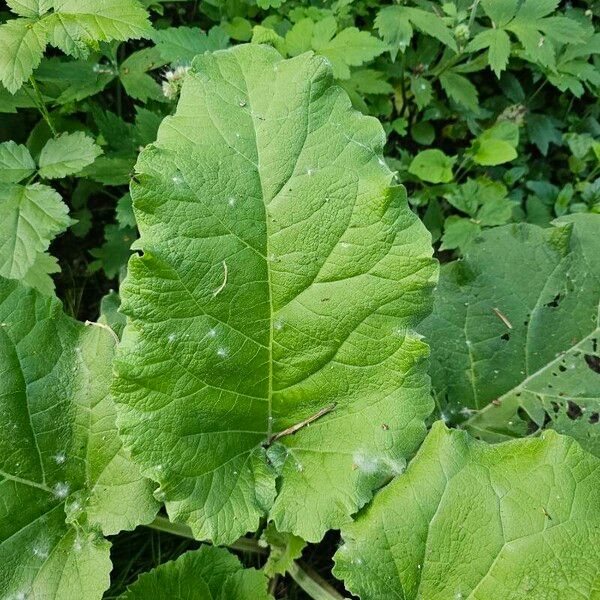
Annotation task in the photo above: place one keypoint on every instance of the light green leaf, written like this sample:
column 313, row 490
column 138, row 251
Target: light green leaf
column 77, row 25
column 313, row 273
column 16, row 162
column 180, row 44
column 491, row 152
column 460, row 89
column 468, row 520
column 323, row 32
column 67, row 154
column 524, row 336
column 238, row 28
column 285, row 548
column 502, row 130
column 299, row 38
column 30, row 8
column 266, row 35
column 432, row 165
column 22, row 45
column 30, row 218
column 351, row 48
column 208, row 572
column 63, row 473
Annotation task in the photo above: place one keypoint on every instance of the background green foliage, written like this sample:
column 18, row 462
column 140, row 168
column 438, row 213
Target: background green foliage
column 490, row 107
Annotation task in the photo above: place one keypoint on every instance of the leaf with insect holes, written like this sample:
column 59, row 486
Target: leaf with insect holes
column 515, row 332
column 279, row 285
column 16, row 162
column 470, row 520
column 67, row 154
column 64, row 476
column 208, row 572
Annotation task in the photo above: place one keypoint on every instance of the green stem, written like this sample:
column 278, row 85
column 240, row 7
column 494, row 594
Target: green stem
column 473, row 13
column 312, row 583
column 242, row 545
column 42, row 105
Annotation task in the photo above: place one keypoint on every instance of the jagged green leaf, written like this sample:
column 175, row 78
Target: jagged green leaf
column 64, row 478
column 22, row 45
column 30, row 218
column 77, row 25
column 280, row 281
column 67, row 154
column 16, row 162
column 469, row 520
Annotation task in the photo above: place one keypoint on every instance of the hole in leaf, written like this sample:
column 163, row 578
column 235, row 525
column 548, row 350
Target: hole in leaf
column 593, row 362
column 562, row 368
column 554, row 302
column 594, row 418
column 555, row 406
column 573, row 410
column 505, row 337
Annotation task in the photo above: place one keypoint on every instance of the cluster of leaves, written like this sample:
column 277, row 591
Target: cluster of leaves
column 262, row 367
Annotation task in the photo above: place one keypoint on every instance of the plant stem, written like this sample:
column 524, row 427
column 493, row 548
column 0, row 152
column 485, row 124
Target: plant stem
column 314, row 585
column 473, row 13
column 42, row 105
column 242, row 545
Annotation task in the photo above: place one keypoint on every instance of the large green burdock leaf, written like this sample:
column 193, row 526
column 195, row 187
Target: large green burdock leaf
column 280, row 281
column 207, row 573
column 516, row 326
column 64, row 478
column 512, row 521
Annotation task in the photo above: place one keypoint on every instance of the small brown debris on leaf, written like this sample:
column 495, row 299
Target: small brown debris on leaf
column 496, row 402
column 385, row 427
